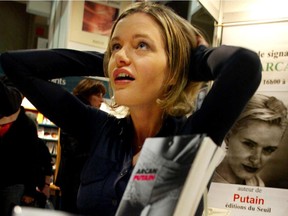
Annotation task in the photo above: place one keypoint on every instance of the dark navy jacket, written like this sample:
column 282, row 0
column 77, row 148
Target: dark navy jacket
column 236, row 73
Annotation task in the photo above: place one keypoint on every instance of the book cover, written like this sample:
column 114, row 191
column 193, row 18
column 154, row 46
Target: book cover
column 162, row 169
column 269, row 199
column 258, row 156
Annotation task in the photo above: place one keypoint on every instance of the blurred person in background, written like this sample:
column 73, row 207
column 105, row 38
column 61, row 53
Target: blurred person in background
column 20, row 149
column 73, row 153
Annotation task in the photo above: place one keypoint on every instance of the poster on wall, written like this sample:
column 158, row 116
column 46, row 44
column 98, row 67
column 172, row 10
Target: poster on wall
column 91, row 21
column 268, row 194
column 270, row 42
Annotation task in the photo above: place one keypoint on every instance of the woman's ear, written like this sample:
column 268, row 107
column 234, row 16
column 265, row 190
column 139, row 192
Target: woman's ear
column 227, row 138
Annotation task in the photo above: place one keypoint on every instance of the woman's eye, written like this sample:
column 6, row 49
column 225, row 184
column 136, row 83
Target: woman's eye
column 143, row 45
column 115, row 47
column 249, row 144
column 269, row 150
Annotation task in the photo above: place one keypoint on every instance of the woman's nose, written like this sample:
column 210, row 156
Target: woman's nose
column 122, row 57
column 255, row 158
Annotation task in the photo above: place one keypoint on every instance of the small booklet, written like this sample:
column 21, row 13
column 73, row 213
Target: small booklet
column 170, row 176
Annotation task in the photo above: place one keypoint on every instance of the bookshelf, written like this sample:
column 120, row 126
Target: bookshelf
column 50, row 134
column 47, row 131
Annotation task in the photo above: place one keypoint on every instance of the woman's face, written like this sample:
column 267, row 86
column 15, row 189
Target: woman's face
column 138, row 64
column 251, row 147
column 96, row 100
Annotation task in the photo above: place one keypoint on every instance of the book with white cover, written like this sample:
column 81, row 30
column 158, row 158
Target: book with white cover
column 164, row 167
column 270, row 199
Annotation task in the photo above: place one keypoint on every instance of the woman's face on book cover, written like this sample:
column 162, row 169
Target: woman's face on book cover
column 251, row 147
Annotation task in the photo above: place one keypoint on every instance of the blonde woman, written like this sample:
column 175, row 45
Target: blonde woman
column 155, row 66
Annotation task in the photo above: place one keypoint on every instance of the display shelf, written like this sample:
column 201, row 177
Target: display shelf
column 48, row 132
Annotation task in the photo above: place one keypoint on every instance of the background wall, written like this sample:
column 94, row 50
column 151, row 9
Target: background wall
column 18, row 28
column 15, row 26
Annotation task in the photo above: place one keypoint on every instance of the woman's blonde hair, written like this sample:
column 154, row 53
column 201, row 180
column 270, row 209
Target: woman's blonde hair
column 180, row 38
column 263, row 108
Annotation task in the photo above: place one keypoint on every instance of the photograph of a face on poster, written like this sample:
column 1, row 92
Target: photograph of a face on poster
column 98, row 18
column 255, row 145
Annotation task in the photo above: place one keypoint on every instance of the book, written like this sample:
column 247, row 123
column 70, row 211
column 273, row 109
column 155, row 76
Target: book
column 170, row 176
column 270, row 199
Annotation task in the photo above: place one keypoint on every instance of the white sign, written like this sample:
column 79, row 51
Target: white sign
column 243, row 200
